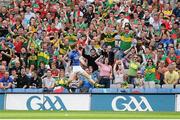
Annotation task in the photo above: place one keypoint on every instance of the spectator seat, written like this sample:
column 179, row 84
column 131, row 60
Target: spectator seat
column 178, row 86
column 157, row 86
column 168, row 86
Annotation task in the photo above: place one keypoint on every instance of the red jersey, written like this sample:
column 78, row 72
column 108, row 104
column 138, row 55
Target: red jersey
column 18, row 46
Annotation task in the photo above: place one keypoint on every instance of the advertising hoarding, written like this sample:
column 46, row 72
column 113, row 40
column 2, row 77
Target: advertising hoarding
column 47, row 102
column 133, row 102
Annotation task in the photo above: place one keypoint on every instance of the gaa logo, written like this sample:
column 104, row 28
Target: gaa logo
column 45, row 103
column 130, row 103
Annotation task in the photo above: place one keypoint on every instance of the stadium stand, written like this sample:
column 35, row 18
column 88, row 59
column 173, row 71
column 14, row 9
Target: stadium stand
column 81, row 46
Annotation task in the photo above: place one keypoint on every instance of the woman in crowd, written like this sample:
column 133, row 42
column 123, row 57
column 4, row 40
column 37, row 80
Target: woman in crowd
column 105, row 71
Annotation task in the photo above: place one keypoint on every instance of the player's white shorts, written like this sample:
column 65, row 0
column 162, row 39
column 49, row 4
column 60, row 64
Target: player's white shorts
column 77, row 69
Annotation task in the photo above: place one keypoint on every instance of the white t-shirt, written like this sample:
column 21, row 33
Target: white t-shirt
column 48, row 82
column 28, row 16
column 118, row 77
column 123, row 21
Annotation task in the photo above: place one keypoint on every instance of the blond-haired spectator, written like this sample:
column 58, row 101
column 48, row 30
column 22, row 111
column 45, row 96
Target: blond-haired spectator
column 171, row 76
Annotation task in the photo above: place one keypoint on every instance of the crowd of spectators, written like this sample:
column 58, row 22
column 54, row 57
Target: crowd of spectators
column 118, row 41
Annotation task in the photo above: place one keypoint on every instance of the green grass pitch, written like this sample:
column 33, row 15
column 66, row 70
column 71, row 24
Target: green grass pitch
column 86, row 115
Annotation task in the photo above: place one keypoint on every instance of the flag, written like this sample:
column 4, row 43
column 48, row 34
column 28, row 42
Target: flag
column 43, row 56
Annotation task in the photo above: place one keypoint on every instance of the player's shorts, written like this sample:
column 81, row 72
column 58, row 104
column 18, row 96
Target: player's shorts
column 78, row 69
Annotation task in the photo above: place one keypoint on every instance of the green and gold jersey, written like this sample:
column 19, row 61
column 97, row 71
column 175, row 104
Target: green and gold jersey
column 150, row 73
column 126, row 40
column 109, row 38
column 62, row 82
column 32, row 59
column 71, row 37
column 64, row 49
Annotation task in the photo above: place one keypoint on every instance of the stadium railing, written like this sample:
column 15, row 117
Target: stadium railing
column 97, row 90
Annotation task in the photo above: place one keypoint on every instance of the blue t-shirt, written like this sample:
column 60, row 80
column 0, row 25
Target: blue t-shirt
column 177, row 52
column 74, row 56
column 85, row 82
column 166, row 42
column 6, row 81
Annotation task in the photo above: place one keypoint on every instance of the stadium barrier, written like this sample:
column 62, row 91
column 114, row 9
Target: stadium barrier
column 133, row 102
column 95, row 102
column 2, row 100
column 178, row 102
column 47, row 102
